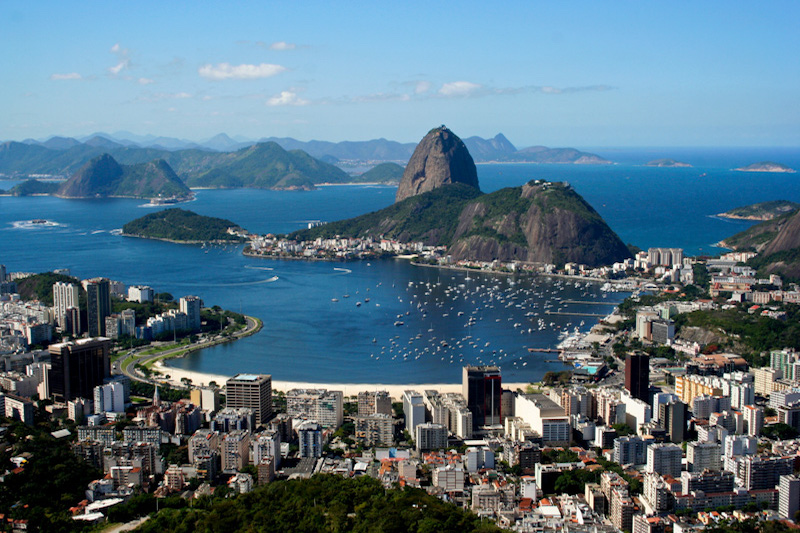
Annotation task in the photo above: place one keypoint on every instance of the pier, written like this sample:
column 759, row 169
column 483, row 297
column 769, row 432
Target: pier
column 566, row 313
column 589, row 302
column 544, row 350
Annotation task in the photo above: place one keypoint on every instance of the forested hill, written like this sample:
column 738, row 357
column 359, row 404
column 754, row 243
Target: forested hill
column 322, row 503
column 538, row 222
column 182, row 226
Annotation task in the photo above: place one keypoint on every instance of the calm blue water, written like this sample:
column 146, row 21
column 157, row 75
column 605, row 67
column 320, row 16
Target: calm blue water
column 309, row 337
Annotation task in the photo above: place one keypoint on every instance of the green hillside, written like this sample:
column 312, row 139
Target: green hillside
column 267, row 166
column 183, row 226
column 538, row 222
column 383, row 173
column 30, row 187
column 323, row 503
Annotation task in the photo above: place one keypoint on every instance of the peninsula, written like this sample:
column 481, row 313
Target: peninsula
column 184, row 227
column 761, row 211
column 439, row 204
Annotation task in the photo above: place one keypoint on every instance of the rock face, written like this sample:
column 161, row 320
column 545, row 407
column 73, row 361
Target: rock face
column 539, row 222
column 441, row 158
column 788, row 237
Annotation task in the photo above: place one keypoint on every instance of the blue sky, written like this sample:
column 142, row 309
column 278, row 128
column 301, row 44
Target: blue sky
column 554, row 73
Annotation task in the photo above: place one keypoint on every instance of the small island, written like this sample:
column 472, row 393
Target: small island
column 765, row 166
column 667, row 163
column 184, row 227
column 762, row 211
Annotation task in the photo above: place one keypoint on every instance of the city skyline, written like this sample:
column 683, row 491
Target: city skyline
column 560, row 75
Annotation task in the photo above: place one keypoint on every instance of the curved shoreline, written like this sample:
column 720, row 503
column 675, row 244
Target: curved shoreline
column 128, row 368
column 175, row 241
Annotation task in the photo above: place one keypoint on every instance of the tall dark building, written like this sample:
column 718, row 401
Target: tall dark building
column 483, row 389
column 672, row 416
column 78, row 367
column 637, row 376
column 98, row 303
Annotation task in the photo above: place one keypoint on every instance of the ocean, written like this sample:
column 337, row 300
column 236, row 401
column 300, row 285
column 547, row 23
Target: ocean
column 449, row 318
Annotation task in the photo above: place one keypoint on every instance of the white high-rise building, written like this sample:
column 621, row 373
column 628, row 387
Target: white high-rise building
column 414, row 410
column 267, row 445
column 753, row 419
column 190, row 305
column 310, row 438
column 109, row 398
column 65, row 295
column 704, row 456
column 664, row 459
column 140, row 294
column 430, row 436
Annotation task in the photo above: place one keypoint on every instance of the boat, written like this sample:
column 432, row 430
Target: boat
column 399, row 323
column 358, row 304
column 334, row 299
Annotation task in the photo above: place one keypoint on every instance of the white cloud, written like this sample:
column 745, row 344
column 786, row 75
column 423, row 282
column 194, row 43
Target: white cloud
column 422, row 87
column 287, row 98
column 182, row 95
column 226, row 71
column 459, row 88
column 123, row 61
column 145, row 81
column 282, row 45
column 68, row 76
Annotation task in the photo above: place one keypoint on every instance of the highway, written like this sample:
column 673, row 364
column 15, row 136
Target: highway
column 127, row 364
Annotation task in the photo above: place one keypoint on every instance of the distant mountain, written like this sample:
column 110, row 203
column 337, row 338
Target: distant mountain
column 266, row 166
column 439, row 202
column 60, row 143
column 199, row 168
column 382, row 173
column 102, row 142
column 543, row 154
column 222, row 143
column 104, row 177
column 495, row 149
column 374, row 150
column 766, row 166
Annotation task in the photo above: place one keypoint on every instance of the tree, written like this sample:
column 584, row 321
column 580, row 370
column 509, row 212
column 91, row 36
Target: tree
column 779, row 431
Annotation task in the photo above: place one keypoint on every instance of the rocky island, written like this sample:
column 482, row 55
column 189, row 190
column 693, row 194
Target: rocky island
column 765, row 166
column 439, row 203
column 184, row 227
column 667, row 163
column 762, row 211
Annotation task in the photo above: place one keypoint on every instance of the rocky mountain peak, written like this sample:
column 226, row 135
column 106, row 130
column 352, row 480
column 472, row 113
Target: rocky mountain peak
column 440, row 158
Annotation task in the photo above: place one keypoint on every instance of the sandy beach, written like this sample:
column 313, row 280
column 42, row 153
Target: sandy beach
column 349, row 389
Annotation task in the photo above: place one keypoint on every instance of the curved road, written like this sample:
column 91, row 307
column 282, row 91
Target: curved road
column 126, row 365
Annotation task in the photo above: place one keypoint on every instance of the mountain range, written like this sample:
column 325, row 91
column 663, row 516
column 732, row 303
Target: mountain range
column 34, row 156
